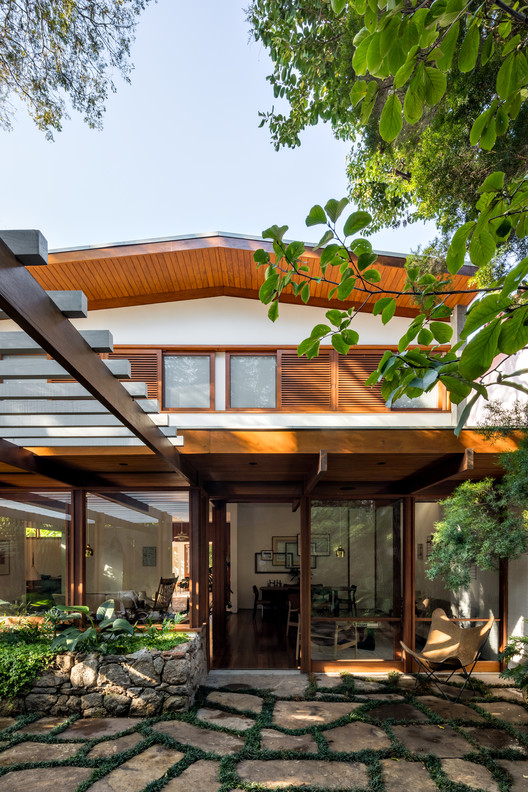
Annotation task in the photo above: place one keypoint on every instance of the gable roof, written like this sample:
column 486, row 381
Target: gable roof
column 198, row 266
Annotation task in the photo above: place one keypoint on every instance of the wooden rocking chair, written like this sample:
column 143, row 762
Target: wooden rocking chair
column 161, row 603
column 449, row 648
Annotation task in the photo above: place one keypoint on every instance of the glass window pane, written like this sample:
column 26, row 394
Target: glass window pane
column 427, row 401
column 253, row 381
column 478, row 601
column 356, row 583
column 187, row 381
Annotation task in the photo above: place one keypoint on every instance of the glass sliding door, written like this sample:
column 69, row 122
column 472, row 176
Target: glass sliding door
column 356, row 586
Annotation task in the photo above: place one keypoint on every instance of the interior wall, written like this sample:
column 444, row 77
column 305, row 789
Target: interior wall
column 518, row 596
column 257, row 525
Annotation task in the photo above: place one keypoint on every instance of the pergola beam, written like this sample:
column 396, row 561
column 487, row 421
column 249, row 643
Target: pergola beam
column 448, row 469
column 24, row 300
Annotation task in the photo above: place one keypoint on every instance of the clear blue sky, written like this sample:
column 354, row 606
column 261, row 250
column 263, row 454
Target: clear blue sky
column 180, row 152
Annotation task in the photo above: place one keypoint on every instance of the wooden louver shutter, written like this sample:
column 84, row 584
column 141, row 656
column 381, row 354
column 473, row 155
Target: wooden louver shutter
column 352, row 393
column 305, row 384
column 145, row 367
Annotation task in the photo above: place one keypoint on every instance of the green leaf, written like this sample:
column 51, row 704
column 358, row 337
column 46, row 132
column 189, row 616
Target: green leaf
column 350, row 337
column 415, row 97
column 268, row 289
column 468, row 54
column 487, row 50
column 514, row 332
column 329, row 253
column 502, row 121
column 482, row 248
column 458, row 390
column 305, row 293
column 345, row 288
column 477, row 356
column 355, row 222
column 403, row 74
column 320, row 330
column 380, row 304
column 327, row 236
column 435, row 84
column 334, row 208
column 365, row 260
column 337, row 6
column 273, row 312
column 368, row 102
column 389, row 311
column 448, row 47
column 465, row 414
column 359, row 60
column 391, row 120
column 425, row 337
column 478, row 126
column 482, row 312
column 261, row 257
column 316, row 216
column 515, row 278
column 493, row 183
column 358, row 91
column 294, row 250
column 504, row 78
column 441, row 331
column 335, row 316
column 457, row 248
column 275, row 232
column 372, row 275
column 339, row 345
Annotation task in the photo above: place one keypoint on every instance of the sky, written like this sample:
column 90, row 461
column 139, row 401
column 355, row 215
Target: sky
column 181, row 152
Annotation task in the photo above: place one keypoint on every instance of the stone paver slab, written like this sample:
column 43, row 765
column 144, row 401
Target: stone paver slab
column 271, row 740
column 5, row 723
column 277, row 774
column 37, row 752
column 511, row 713
column 518, row 772
column 451, row 691
column 443, row 741
column 240, row 701
column 42, row 726
column 303, row 715
column 280, row 683
column 386, row 697
column 397, row 711
column 507, row 694
column 92, row 728
column 112, row 747
column 357, row 737
column 329, row 681
column 366, row 686
column 450, row 710
column 67, row 779
column 475, row 776
column 406, row 775
column 202, row 775
column 225, row 719
column 496, row 739
column 134, row 775
column 206, row 739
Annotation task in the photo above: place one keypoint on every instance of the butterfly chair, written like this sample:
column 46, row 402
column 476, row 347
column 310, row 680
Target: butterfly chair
column 161, row 603
column 449, row 648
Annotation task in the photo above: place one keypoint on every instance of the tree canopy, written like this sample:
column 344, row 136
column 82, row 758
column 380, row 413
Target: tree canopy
column 52, row 51
column 442, row 83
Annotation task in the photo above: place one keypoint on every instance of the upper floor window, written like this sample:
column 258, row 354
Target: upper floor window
column 252, row 381
column 187, row 381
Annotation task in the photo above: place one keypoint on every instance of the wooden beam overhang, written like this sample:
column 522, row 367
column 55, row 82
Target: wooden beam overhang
column 447, row 469
column 24, row 301
column 319, row 473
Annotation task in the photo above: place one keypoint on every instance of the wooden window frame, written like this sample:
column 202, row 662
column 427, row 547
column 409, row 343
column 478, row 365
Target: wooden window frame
column 250, row 353
column 167, row 353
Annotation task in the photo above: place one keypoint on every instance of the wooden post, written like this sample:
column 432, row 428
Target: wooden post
column 199, row 582
column 408, row 577
column 219, row 574
column 76, row 545
column 306, row 591
column 503, row 607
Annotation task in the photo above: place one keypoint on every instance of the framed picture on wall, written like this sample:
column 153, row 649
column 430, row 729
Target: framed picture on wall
column 278, row 543
column 266, row 555
column 279, row 559
column 150, row 556
column 320, row 544
column 4, row 557
column 264, row 566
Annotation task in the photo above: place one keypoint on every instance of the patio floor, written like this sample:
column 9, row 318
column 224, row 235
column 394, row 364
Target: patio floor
column 283, row 730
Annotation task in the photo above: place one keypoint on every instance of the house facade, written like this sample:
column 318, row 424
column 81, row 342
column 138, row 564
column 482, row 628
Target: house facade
column 290, row 476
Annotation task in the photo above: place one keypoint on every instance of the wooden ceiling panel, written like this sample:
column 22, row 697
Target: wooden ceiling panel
column 189, row 268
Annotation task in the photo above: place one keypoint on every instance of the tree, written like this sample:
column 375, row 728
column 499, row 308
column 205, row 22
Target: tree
column 403, row 67
column 51, row 50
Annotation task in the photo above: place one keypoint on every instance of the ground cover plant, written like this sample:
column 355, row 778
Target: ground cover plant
column 28, row 644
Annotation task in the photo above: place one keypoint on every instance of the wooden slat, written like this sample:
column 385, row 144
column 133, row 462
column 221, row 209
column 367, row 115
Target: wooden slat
column 352, row 393
column 145, row 366
column 305, row 384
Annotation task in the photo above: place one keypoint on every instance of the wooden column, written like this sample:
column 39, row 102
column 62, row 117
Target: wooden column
column 408, row 576
column 219, row 574
column 76, row 544
column 306, row 592
column 199, row 561
column 503, row 607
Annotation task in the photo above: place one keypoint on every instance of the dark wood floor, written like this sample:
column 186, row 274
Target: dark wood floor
column 256, row 642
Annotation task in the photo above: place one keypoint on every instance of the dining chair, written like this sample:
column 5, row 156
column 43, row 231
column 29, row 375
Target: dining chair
column 259, row 602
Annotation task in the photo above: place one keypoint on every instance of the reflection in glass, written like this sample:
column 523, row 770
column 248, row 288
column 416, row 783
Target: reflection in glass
column 253, row 381
column 187, row 381
column 356, row 588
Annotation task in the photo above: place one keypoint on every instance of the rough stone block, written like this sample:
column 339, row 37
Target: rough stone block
column 84, row 674
column 175, row 672
column 146, row 704
column 116, row 704
column 113, row 674
column 143, row 674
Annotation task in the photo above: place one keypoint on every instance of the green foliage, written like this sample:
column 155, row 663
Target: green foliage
column 55, row 50
column 105, row 633
column 20, row 663
column 484, row 521
column 517, row 650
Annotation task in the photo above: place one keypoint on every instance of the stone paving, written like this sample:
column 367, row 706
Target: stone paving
column 283, row 731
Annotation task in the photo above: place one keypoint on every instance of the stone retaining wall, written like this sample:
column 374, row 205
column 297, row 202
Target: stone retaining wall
column 145, row 683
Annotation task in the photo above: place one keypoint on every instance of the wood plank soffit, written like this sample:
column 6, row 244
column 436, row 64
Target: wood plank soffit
column 321, row 469
column 447, row 469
